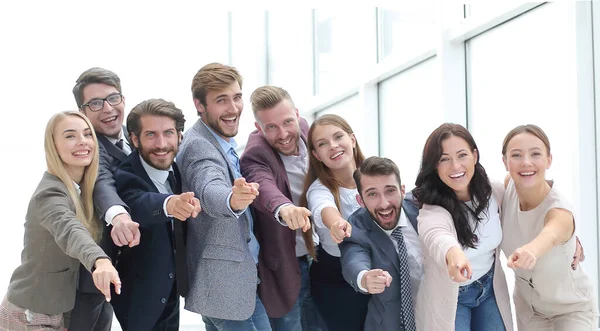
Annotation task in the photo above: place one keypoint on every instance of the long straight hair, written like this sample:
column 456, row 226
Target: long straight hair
column 84, row 204
column 430, row 189
column 318, row 169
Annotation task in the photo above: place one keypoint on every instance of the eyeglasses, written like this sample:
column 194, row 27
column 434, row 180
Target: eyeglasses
column 97, row 104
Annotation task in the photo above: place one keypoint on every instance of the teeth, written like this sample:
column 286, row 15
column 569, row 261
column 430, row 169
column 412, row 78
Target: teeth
column 110, row 119
column 530, row 173
column 81, row 153
column 229, row 118
column 457, row 175
column 385, row 213
column 336, row 155
column 160, row 153
column 286, row 142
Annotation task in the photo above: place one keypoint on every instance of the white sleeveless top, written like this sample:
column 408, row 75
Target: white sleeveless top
column 552, row 287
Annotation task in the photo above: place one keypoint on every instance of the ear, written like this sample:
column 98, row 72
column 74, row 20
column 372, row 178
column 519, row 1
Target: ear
column 549, row 161
column 316, row 155
column 134, row 140
column 360, row 201
column 180, row 135
column 297, row 113
column 257, row 126
column 353, row 140
column 476, row 154
column 123, row 98
column 505, row 162
column 402, row 191
column 199, row 106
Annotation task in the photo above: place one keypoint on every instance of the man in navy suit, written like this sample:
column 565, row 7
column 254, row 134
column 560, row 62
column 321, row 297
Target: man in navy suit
column 99, row 96
column 383, row 256
column 154, row 273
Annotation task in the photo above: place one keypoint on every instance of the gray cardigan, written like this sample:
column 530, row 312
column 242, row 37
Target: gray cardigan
column 55, row 242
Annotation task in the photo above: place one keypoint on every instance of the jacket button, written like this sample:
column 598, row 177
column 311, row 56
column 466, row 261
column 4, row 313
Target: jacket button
column 163, row 300
column 248, row 240
column 171, row 275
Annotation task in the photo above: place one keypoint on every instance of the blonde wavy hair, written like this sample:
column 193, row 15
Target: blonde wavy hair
column 84, row 205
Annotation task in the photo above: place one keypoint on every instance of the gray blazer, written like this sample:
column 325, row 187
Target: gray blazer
column 371, row 248
column 222, row 271
column 55, row 243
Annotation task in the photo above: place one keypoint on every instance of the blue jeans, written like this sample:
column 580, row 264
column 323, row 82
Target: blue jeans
column 304, row 315
column 477, row 309
column 259, row 321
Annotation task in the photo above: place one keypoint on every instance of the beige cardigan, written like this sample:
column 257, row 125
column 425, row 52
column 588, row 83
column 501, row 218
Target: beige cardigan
column 435, row 306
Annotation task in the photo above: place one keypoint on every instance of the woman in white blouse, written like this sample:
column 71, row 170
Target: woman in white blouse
column 330, row 194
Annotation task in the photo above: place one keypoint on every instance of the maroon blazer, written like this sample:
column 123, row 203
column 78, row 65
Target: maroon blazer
column 278, row 268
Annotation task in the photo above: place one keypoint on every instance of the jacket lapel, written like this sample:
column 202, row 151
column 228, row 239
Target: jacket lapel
column 204, row 132
column 380, row 238
column 112, row 150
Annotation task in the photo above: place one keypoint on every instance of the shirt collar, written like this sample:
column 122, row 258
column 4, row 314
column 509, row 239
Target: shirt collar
column 156, row 175
column 225, row 145
column 402, row 222
column 77, row 188
column 121, row 135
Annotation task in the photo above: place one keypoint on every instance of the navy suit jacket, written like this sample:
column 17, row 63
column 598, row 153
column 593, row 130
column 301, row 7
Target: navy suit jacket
column 147, row 271
column 105, row 196
column 371, row 248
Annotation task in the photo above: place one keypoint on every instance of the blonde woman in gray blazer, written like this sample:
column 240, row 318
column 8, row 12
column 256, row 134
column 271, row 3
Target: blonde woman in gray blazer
column 60, row 232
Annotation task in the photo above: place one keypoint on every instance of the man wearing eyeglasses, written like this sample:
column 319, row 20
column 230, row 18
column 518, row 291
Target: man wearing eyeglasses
column 98, row 95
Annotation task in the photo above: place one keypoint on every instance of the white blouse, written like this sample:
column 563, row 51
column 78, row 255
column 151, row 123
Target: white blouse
column 318, row 197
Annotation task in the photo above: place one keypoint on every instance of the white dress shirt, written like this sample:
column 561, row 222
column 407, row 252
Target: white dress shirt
column 413, row 248
column 296, row 167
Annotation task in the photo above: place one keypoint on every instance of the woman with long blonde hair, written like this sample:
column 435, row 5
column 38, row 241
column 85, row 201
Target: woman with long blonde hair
column 60, row 232
column 330, row 194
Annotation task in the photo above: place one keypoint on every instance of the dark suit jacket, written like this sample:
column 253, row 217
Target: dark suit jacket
column 105, row 196
column 278, row 268
column 147, row 271
column 371, row 248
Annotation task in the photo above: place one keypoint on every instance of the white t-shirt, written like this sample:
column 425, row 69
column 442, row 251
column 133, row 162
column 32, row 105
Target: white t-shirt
column 318, row 197
column 489, row 233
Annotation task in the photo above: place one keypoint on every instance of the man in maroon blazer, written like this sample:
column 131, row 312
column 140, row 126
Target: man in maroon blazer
column 276, row 158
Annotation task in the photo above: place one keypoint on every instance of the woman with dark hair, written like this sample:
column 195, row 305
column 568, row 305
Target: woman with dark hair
column 464, row 287
column 538, row 228
column 330, row 194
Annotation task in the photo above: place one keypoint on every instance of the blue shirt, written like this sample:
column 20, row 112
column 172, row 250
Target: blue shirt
column 229, row 149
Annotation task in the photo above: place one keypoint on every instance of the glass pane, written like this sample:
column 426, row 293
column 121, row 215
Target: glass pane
column 290, row 53
column 350, row 111
column 409, row 29
column 345, row 47
column 409, row 105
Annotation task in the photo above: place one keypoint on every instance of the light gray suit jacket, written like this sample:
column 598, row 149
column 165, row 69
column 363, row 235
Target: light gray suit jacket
column 55, row 242
column 222, row 271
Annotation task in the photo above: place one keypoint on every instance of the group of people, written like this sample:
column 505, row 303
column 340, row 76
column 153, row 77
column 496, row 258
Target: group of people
column 300, row 232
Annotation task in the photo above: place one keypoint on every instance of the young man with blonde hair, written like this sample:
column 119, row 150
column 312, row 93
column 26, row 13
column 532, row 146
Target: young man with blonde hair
column 222, row 249
column 276, row 158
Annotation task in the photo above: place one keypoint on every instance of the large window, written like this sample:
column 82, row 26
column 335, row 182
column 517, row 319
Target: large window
column 409, row 106
column 514, row 78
